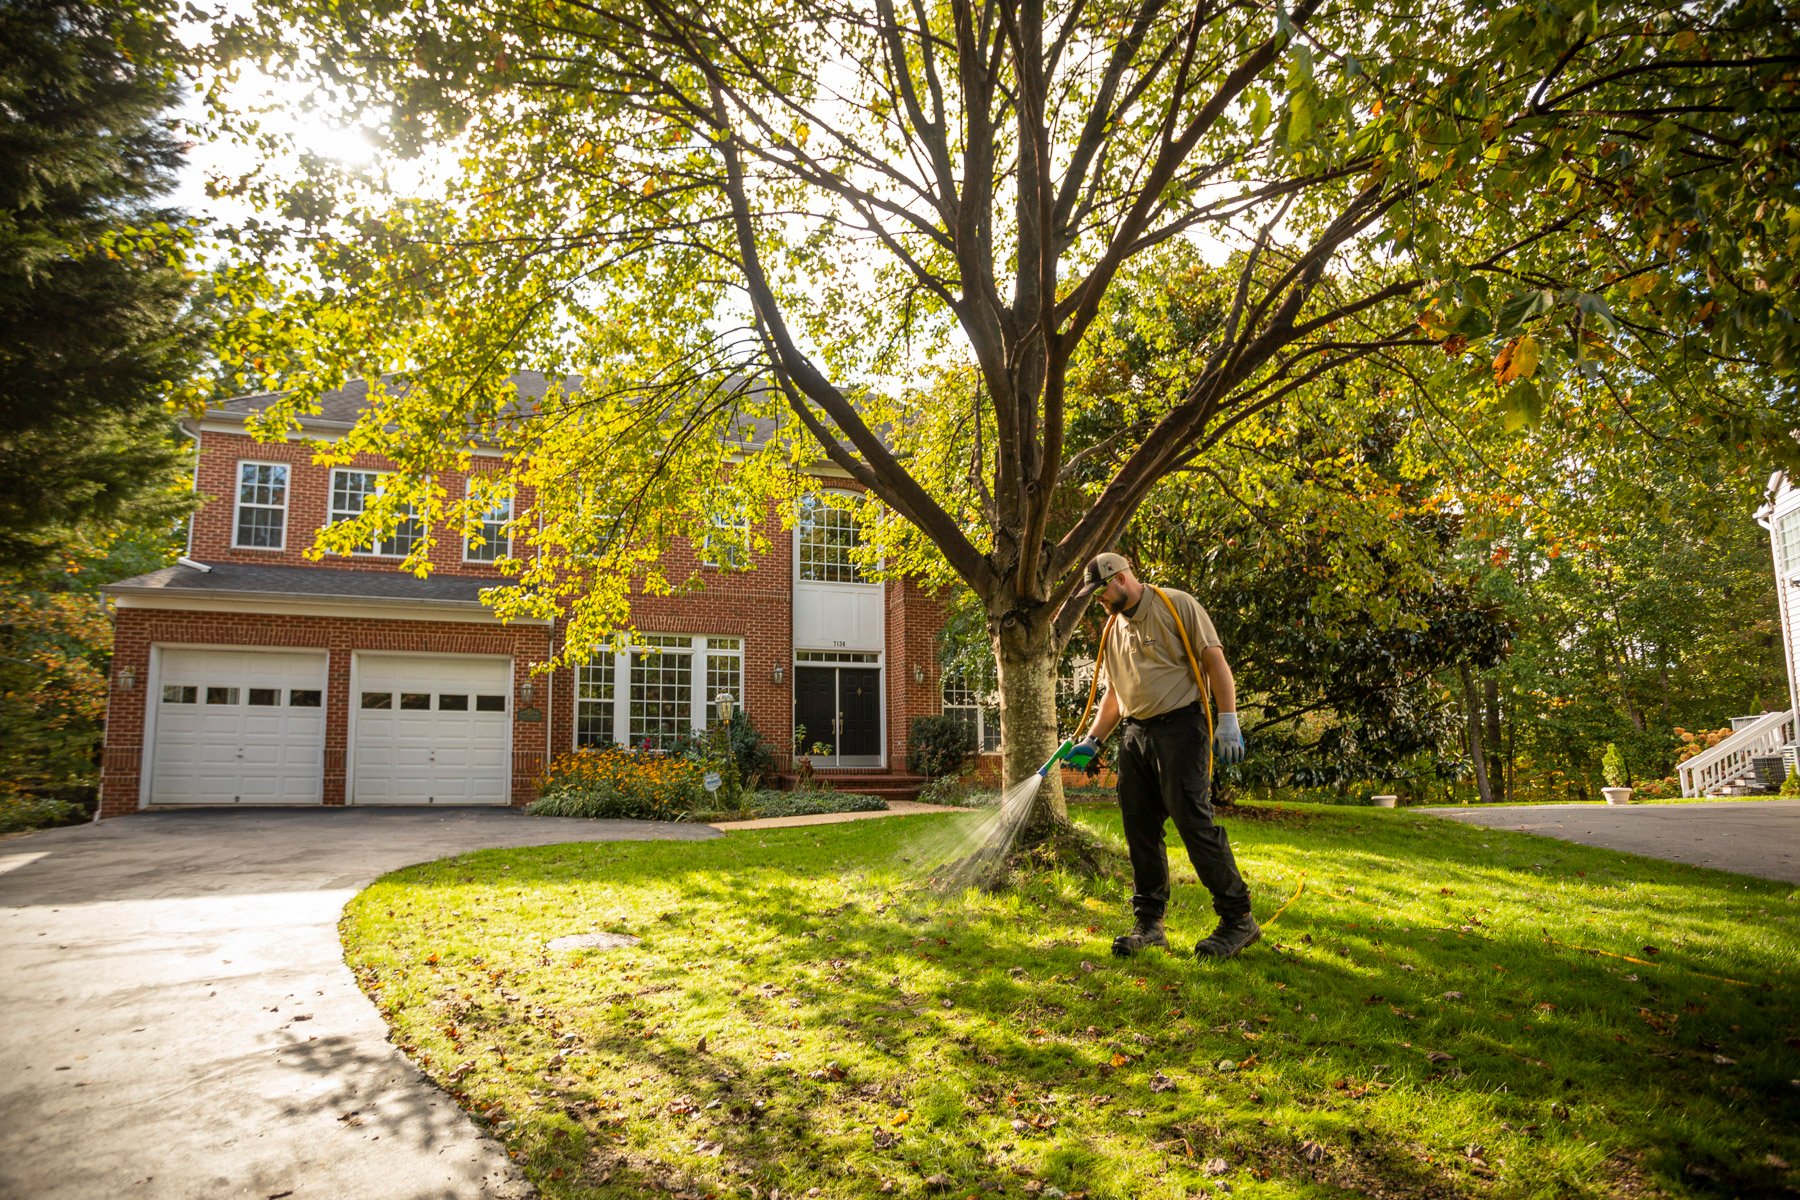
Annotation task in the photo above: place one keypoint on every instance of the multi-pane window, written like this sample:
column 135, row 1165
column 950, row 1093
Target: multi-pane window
column 1787, row 531
column 595, row 698
column 724, row 673
column 977, row 711
column 727, row 544
column 662, row 690
column 351, row 492
column 261, row 505
column 494, row 543
column 827, row 535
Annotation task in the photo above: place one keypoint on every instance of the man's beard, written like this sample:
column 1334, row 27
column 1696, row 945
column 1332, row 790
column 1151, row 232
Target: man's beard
column 1117, row 606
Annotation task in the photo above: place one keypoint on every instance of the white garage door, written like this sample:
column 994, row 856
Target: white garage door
column 238, row 727
column 432, row 729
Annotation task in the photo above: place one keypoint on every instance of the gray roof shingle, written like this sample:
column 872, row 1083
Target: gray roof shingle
column 309, row 583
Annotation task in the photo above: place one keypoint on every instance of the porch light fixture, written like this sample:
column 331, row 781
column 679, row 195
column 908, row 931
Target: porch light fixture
column 778, row 673
column 127, row 678
column 526, row 691
column 918, row 673
column 724, row 701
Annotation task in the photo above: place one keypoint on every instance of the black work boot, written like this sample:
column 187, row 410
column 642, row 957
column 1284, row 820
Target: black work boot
column 1145, row 932
column 1232, row 935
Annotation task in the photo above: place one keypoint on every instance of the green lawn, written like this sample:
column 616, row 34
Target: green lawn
column 803, row 1014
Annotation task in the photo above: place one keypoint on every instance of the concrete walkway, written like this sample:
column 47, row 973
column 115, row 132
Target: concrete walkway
column 1751, row 837
column 176, row 1019
column 895, row 808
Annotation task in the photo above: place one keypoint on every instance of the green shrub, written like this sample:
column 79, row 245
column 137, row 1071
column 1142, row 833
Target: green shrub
column 939, row 746
column 945, row 789
column 807, row 804
column 1790, row 786
column 621, row 783
column 20, row 811
column 1612, row 766
column 752, row 755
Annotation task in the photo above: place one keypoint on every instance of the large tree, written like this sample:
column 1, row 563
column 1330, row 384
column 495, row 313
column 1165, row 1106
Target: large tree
column 869, row 204
column 96, row 333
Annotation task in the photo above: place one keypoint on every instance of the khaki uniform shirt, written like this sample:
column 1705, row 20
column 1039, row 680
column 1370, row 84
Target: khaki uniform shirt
column 1145, row 660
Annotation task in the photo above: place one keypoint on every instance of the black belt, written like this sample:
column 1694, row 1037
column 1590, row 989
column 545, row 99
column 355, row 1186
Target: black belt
column 1185, row 710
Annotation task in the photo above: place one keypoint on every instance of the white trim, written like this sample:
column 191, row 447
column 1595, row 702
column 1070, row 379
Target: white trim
column 312, row 429
column 185, row 561
column 237, row 501
column 699, row 647
column 741, row 528
column 254, row 603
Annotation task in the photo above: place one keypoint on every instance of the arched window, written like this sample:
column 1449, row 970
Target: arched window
column 826, row 534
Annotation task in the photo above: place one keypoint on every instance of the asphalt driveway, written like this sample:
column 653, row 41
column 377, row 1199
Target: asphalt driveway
column 1751, row 837
column 178, row 1020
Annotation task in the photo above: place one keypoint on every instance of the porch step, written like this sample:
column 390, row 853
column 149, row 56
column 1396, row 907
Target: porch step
column 888, row 785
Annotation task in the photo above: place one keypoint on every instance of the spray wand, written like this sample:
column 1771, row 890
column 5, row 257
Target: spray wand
column 1065, row 751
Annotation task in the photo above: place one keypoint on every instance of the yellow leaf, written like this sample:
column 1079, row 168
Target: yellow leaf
column 901, row 1119
column 1517, row 360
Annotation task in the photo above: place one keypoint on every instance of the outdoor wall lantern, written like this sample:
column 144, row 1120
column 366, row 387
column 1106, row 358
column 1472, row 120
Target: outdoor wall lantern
column 127, row 678
column 526, row 691
column 918, row 673
column 778, row 673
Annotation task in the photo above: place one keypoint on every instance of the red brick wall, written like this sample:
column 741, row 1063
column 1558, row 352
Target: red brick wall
column 308, row 507
column 136, row 629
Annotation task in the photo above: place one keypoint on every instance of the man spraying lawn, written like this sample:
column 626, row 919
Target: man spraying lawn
column 1163, row 663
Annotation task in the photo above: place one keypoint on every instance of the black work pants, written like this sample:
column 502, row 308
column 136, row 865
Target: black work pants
column 1165, row 766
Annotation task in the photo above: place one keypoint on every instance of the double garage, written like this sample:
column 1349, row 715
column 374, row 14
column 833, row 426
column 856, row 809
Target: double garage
column 244, row 727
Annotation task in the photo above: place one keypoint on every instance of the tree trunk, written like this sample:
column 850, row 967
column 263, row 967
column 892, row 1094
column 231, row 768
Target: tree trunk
column 1026, row 652
column 1491, row 736
column 1472, row 704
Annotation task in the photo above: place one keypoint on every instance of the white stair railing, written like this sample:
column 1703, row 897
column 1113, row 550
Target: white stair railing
column 1768, row 735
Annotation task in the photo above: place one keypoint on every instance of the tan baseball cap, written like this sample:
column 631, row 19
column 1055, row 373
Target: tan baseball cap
column 1102, row 568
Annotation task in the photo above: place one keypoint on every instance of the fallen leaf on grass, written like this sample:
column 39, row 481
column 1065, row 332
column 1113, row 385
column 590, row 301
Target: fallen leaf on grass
column 1312, row 1152
column 1438, row 1056
column 1216, row 1166
column 885, row 1140
column 900, row 1118
column 1161, row 1083
column 1776, row 1161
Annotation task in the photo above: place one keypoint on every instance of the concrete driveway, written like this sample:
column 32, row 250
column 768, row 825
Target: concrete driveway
column 178, row 1020
column 1751, row 837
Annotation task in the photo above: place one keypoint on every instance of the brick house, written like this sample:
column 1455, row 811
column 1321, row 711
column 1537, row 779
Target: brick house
column 246, row 674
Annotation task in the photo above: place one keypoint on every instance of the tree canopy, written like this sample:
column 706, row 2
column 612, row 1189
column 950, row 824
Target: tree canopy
column 95, row 329
column 910, row 221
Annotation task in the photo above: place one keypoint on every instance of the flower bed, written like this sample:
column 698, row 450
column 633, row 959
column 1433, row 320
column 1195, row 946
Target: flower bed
column 619, row 783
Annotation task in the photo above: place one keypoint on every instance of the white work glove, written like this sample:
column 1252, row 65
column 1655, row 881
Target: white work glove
column 1228, row 739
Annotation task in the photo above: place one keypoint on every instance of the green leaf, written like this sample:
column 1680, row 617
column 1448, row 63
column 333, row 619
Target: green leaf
column 1259, row 112
column 1300, row 117
column 1521, row 406
column 1522, row 307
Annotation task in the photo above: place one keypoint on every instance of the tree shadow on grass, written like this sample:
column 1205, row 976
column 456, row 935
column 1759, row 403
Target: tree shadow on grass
column 802, row 1012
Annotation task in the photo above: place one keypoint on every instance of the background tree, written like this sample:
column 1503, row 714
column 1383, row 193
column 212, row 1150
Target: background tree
column 95, row 329
column 657, row 195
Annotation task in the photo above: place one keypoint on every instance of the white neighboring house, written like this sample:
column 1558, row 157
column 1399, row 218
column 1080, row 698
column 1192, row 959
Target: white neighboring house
column 1732, row 767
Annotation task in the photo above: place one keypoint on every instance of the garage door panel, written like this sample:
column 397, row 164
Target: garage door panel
column 224, row 734
column 435, row 741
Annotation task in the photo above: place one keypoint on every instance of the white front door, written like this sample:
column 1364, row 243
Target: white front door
column 238, row 727
column 431, row 729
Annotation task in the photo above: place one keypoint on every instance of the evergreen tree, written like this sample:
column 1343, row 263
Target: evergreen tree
column 95, row 328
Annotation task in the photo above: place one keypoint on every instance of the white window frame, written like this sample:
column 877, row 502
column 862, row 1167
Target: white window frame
column 615, row 664
column 733, row 534
column 981, row 709
column 238, row 505
column 500, row 544
column 834, row 501
column 333, row 514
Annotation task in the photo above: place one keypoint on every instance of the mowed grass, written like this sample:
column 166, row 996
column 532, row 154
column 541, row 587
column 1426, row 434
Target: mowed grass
column 803, row 1013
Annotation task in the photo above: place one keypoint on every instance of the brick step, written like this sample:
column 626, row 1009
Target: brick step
column 886, row 785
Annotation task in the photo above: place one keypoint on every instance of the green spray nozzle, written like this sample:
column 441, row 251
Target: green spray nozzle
column 1062, row 752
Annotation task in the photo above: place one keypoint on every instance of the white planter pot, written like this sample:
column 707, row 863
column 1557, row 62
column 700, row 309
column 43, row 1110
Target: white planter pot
column 1384, row 801
column 1616, row 795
